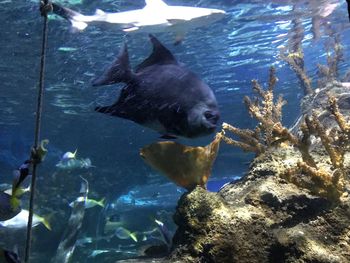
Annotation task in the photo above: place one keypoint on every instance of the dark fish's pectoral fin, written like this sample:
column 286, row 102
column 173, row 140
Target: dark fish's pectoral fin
column 113, row 110
column 110, row 110
column 168, row 137
column 119, row 71
column 102, row 109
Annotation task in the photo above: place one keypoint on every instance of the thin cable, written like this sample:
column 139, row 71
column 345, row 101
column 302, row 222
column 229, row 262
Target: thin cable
column 37, row 129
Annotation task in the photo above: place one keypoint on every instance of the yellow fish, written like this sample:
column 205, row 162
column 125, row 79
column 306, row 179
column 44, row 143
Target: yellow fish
column 187, row 166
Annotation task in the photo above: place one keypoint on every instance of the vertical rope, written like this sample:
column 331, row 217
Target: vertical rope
column 37, row 128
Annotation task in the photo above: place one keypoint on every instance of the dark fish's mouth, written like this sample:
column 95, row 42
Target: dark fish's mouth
column 211, row 119
column 211, row 126
column 206, row 128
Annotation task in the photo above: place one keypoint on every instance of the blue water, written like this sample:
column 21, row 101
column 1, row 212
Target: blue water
column 227, row 55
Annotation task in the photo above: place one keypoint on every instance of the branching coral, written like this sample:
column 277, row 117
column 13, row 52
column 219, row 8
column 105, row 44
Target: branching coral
column 294, row 55
column 331, row 183
column 270, row 132
column 330, row 71
column 340, row 119
column 268, row 113
column 317, row 180
column 334, row 135
column 336, row 142
column 320, row 118
column 249, row 139
column 296, row 62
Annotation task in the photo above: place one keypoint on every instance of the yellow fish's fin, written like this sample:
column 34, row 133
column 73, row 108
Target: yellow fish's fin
column 101, row 202
column 15, row 187
column 187, row 166
column 14, row 202
column 46, row 223
column 19, row 191
column 45, row 220
column 133, row 236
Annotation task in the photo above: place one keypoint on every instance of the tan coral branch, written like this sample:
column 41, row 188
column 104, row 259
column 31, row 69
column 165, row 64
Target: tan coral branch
column 258, row 149
column 334, row 109
column 324, row 185
column 336, row 155
column 296, row 62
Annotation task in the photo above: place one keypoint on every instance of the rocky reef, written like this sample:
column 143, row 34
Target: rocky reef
column 262, row 218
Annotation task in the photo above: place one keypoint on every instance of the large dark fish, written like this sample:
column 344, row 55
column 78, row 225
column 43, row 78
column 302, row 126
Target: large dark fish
column 161, row 94
column 348, row 1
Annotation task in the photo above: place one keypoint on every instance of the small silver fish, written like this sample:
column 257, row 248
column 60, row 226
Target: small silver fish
column 165, row 233
column 89, row 240
column 98, row 252
column 83, row 241
column 69, row 155
column 67, row 49
column 20, row 221
column 72, row 164
column 123, row 233
column 89, row 203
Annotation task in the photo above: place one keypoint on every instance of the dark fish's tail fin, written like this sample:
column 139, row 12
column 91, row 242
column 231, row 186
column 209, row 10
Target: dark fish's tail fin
column 119, row 71
column 70, row 15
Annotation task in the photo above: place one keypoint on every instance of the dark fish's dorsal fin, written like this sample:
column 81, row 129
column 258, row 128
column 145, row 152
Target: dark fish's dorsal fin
column 119, row 71
column 160, row 55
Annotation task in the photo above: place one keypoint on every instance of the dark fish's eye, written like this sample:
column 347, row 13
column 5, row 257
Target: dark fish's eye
column 212, row 116
column 209, row 115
